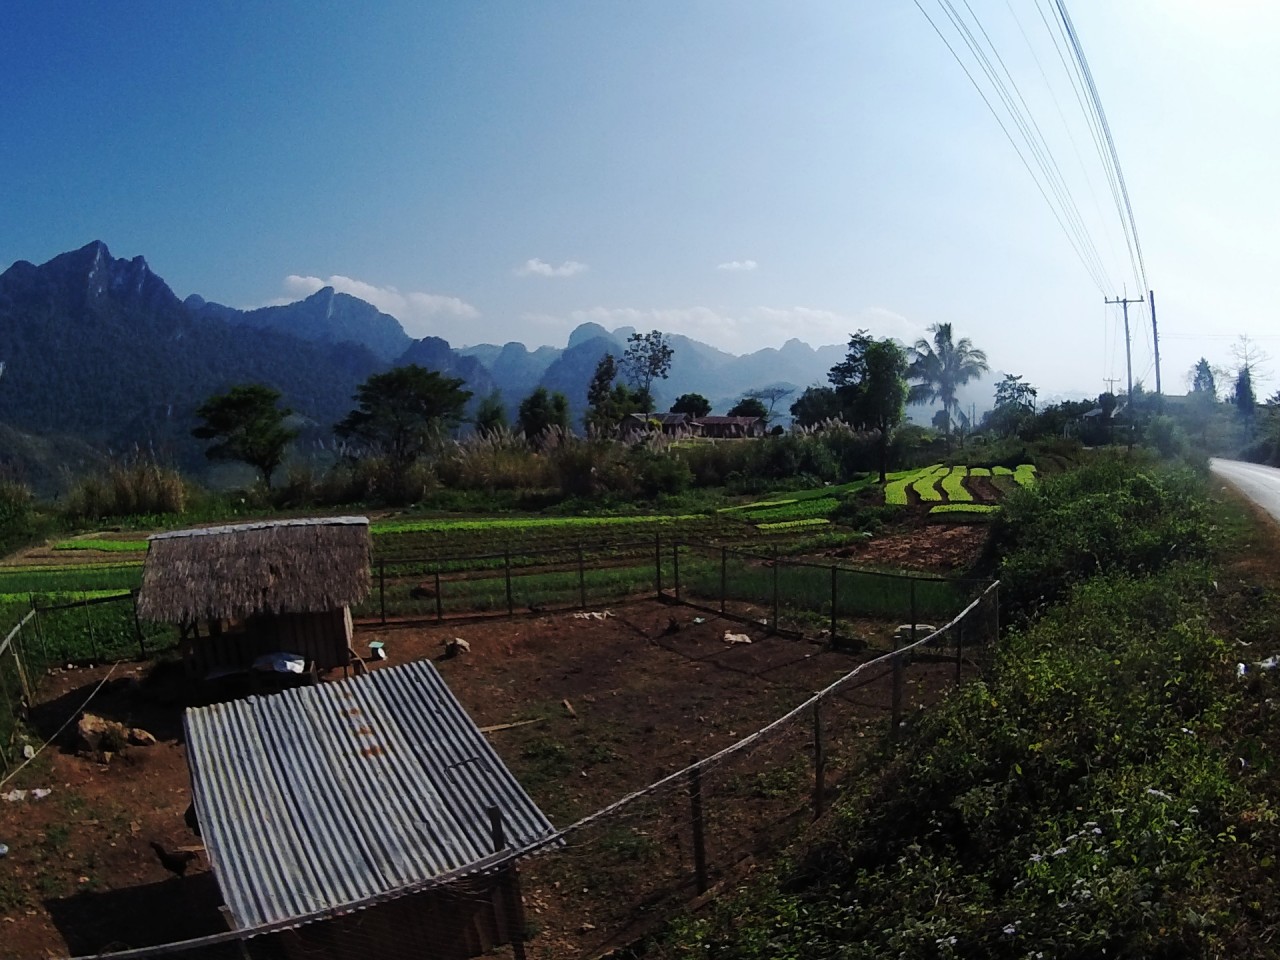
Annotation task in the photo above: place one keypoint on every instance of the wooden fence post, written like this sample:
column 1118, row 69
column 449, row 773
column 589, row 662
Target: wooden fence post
column 819, row 763
column 724, row 576
column 93, row 640
column 582, row 579
column 775, row 589
column 657, row 563
column 137, row 625
column 510, row 884
column 506, row 556
column 834, row 598
column 675, row 565
column 382, row 590
column 959, row 649
column 439, row 600
column 699, row 838
column 35, row 618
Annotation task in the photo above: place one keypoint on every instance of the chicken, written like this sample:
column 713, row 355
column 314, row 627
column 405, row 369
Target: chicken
column 176, row 861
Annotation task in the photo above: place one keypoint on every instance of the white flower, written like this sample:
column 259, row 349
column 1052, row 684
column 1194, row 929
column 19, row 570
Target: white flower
column 1036, row 858
column 1010, row 929
column 1060, row 851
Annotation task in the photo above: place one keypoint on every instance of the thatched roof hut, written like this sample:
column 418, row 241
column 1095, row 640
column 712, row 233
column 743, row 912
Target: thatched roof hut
column 276, row 567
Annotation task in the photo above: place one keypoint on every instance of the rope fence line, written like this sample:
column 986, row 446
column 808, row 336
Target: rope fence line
column 688, row 777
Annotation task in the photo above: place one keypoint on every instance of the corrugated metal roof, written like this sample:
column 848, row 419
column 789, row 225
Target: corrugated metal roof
column 262, row 525
column 323, row 795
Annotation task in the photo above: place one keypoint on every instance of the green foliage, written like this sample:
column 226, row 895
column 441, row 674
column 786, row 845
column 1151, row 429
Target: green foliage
column 953, row 487
column 941, row 366
column 541, row 412
column 1107, row 517
column 246, row 424
column 400, row 415
column 816, row 405
column 491, row 415
column 131, row 488
column 925, row 485
column 749, row 407
column 694, row 404
column 647, row 358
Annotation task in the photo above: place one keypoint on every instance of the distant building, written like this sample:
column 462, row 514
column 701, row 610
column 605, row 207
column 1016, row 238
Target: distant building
column 671, row 424
column 243, row 592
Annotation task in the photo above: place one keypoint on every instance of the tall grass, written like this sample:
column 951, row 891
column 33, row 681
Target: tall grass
column 126, row 489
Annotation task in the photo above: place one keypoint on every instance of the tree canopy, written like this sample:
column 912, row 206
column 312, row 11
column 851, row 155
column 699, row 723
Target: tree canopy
column 942, row 365
column 491, row 414
column 248, row 426
column 749, row 407
column 870, row 386
column 542, row 410
column 694, row 404
column 647, row 358
column 1203, row 381
column 609, row 402
column 816, row 405
column 402, row 413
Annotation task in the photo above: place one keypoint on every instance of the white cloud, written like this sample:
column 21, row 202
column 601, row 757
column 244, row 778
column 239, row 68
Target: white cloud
column 737, row 266
column 540, row 268
column 741, row 331
column 419, row 313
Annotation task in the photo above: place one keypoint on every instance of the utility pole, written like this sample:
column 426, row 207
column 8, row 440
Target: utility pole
column 1155, row 341
column 1111, row 384
column 1128, row 353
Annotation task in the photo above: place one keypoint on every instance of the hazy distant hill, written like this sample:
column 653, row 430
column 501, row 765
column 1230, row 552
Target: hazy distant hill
column 100, row 354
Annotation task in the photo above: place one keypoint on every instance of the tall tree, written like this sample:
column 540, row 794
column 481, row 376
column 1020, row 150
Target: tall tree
column 402, row 413
column 491, row 415
column 248, row 426
column 609, row 402
column 647, row 358
column 1203, row 383
column 749, row 407
column 884, row 393
column 693, row 404
column 1244, row 399
column 771, row 396
column 816, row 405
column 542, row 410
column 940, row 367
column 1015, row 406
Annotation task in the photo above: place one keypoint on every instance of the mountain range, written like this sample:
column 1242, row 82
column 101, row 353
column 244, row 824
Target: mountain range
column 99, row 353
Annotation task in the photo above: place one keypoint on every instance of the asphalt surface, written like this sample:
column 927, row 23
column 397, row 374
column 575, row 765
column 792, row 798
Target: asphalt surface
column 1260, row 484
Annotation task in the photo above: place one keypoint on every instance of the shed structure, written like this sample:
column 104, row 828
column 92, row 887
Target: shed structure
column 323, row 796
column 257, row 589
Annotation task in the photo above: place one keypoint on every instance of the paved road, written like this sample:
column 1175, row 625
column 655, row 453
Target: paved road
column 1260, row 484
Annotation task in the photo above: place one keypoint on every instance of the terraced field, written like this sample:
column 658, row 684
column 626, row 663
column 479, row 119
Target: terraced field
column 953, row 492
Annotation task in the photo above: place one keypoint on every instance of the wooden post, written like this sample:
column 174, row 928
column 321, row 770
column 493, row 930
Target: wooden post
column 834, row 597
column 439, row 601
column 44, row 648
column 775, row 589
column 382, row 591
column 959, row 648
column 724, row 576
column 582, row 579
column 506, row 558
column 509, row 885
column 137, row 626
column 699, row 838
column 675, row 565
column 819, row 763
column 93, row 640
column 657, row 563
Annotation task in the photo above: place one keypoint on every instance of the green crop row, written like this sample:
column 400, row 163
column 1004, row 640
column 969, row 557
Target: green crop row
column 925, row 487
column 895, row 491
column 105, row 546
column 953, row 486
column 793, row 524
column 1024, row 475
column 801, row 510
column 383, row 527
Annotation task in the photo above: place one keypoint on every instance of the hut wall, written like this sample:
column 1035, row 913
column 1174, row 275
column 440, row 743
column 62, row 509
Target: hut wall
column 468, row 919
column 323, row 638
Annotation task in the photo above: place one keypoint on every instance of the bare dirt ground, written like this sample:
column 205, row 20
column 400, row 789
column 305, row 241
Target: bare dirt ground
column 921, row 545
column 616, row 703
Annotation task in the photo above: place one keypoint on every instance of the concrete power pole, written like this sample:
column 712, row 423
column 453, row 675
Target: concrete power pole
column 1155, row 342
column 1128, row 353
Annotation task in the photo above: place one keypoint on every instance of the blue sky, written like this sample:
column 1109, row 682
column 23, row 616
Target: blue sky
column 742, row 172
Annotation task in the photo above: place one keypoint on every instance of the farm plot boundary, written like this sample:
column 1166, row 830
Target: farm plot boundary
column 669, row 845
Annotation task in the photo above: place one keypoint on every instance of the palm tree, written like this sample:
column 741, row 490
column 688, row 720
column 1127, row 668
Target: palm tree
column 942, row 366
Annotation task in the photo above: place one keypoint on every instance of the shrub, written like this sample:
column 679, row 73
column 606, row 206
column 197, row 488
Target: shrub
column 1168, row 438
column 127, row 489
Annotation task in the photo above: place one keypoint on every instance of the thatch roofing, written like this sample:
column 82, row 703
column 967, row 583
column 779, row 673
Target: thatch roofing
column 231, row 572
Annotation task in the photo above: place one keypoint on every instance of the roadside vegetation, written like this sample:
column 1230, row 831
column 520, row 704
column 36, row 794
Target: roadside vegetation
column 1104, row 790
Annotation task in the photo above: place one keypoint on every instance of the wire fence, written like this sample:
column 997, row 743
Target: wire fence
column 94, row 630
column 690, row 828
column 752, row 586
